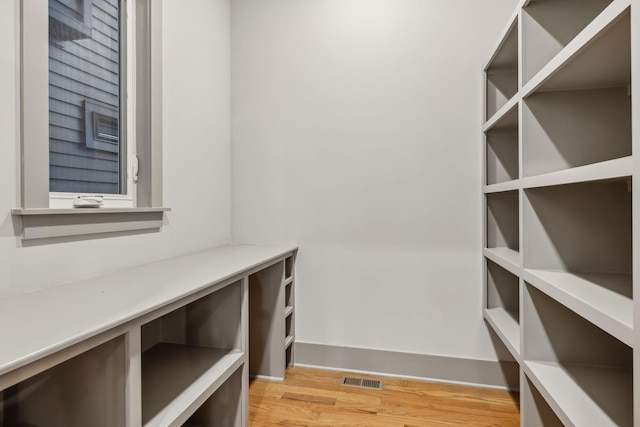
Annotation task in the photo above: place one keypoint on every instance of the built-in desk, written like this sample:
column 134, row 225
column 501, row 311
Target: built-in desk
column 162, row 344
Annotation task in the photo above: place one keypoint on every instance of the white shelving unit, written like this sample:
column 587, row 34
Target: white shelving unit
column 561, row 237
column 163, row 344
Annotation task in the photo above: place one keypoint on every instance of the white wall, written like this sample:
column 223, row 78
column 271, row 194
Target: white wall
column 196, row 155
column 356, row 134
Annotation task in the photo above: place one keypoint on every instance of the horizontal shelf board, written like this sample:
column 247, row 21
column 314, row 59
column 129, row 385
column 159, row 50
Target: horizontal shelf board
column 505, row 258
column 506, row 325
column 85, row 308
column 611, row 169
column 506, row 125
column 176, row 379
column 502, row 186
column 288, row 341
column 501, row 113
column 560, row 74
column 288, row 281
column 604, row 299
column 564, row 389
column 288, row 311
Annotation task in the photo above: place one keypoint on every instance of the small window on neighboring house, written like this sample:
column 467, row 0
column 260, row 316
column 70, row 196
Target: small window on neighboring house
column 101, row 128
column 70, row 19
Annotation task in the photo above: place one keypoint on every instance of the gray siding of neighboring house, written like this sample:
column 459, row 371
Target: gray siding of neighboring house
column 83, row 69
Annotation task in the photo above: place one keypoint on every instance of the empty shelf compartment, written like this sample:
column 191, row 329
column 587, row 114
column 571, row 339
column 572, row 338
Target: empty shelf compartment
column 502, row 73
column 502, row 150
column 88, row 389
column 188, row 353
column 225, row 406
column 572, row 128
column 550, row 25
column 584, row 373
column 578, row 250
column 503, row 221
column 535, row 409
column 503, row 306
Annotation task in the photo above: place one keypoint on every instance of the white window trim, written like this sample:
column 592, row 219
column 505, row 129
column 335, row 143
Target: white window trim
column 36, row 210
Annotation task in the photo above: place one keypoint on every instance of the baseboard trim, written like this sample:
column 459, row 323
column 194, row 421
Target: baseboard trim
column 267, row 378
column 479, row 373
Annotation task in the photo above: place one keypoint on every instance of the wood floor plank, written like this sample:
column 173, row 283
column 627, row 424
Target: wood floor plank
column 309, row 398
column 315, row 398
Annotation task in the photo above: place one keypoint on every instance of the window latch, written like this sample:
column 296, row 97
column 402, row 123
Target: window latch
column 134, row 168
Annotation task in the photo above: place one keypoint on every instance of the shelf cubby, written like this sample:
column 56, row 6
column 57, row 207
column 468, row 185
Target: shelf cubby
column 289, row 355
column 535, row 411
column 578, row 250
column 584, row 373
column 502, row 73
column 88, row 389
column 602, row 59
column 571, row 128
column 580, row 114
column 502, row 236
column 223, row 408
column 549, row 25
column 288, row 296
column 267, row 295
column 288, row 321
column 189, row 353
column 502, row 150
column 503, row 306
column 288, row 268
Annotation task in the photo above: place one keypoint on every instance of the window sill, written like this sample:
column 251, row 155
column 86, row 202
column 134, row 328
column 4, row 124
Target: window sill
column 45, row 223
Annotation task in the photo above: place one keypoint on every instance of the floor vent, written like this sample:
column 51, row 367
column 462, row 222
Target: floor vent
column 362, row 383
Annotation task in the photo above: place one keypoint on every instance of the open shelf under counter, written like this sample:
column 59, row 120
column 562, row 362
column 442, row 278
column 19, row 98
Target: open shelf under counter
column 608, row 403
column 603, row 299
column 508, row 259
column 505, row 324
column 177, row 379
column 534, row 409
column 608, row 170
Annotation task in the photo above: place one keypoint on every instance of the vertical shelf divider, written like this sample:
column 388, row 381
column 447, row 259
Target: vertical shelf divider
column 133, row 372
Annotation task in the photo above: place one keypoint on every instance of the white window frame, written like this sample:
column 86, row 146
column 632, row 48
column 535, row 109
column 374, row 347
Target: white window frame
column 40, row 218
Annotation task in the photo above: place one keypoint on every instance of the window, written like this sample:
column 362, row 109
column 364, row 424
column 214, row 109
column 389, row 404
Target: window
column 91, row 107
column 88, row 150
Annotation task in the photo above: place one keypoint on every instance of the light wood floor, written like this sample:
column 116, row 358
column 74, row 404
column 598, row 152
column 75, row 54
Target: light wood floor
column 314, row 398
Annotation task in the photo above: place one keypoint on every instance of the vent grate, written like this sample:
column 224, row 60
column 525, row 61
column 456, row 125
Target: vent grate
column 361, row 383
